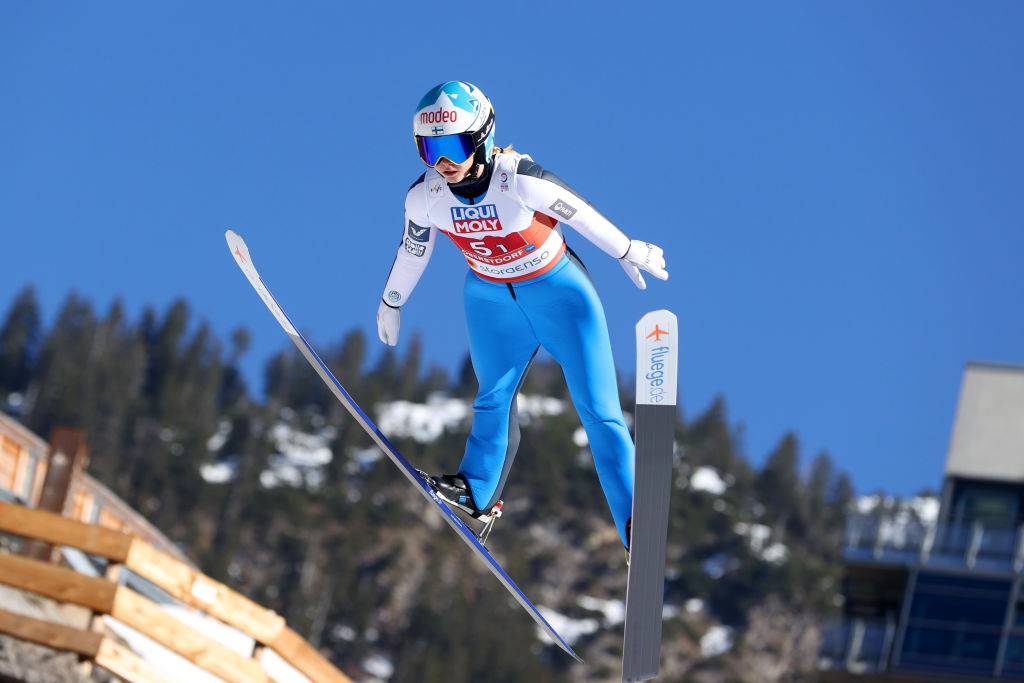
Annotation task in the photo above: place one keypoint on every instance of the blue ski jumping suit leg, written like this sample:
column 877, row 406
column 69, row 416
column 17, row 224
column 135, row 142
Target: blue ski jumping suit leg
column 507, row 322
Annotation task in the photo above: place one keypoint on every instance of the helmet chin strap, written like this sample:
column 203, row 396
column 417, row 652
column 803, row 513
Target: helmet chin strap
column 475, row 171
column 477, row 176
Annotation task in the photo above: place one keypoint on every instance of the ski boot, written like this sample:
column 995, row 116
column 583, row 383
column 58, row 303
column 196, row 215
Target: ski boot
column 454, row 490
column 629, row 534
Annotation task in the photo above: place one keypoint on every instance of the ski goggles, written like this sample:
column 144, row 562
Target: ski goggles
column 456, row 148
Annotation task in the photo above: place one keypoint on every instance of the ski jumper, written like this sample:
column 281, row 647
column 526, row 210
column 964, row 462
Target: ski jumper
column 524, row 290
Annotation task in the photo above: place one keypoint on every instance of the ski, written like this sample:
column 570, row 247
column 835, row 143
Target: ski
column 656, row 370
column 241, row 255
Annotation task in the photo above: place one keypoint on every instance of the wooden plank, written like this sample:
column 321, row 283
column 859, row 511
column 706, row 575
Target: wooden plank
column 56, row 636
column 8, row 446
column 295, row 650
column 127, row 665
column 109, row 520
column 146, row 617
column 21, row 467
column 8, row 465
column 16, row 432
column 53, row 528
column 200, row 591
column 56, row 582
column 42, row 467
column 127, row 519
column 76, row 507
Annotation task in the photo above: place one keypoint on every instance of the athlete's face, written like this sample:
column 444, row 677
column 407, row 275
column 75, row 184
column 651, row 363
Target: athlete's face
column 454, row 173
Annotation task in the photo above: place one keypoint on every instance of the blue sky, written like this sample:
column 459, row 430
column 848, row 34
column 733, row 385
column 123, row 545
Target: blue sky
column 837, row 186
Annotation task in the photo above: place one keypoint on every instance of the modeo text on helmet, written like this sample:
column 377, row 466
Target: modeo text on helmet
column 440, row 116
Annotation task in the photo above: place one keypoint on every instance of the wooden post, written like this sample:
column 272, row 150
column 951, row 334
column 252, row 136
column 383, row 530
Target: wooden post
column 96, row 623
column 68, row 459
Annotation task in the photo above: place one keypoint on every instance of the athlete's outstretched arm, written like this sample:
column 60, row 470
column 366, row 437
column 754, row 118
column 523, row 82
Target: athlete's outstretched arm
column 410, row 261
column 543, row 191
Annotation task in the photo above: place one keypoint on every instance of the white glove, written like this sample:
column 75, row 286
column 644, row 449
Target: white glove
column 646, row 256
column 389, row 319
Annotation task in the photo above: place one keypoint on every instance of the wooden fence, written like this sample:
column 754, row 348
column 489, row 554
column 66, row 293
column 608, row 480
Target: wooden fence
column 108, row 596
column 23, row 461
column 24, row 465
column 56, row 504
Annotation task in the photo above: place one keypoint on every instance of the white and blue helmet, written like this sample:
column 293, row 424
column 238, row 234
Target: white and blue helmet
column 454, row 120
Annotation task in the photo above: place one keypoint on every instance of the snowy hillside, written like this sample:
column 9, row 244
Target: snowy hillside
column 300, row 456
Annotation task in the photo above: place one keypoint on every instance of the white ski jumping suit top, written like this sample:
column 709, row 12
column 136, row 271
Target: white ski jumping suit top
column 511, row 236
column 523, row 291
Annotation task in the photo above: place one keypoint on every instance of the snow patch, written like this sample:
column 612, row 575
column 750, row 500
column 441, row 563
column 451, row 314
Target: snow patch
column 538, row 406
column 707, row 479
column 218, row 472
column 344, row 632
column 693, row 605
column 927, row 508
column 613, row 611
column 571, row 630
column 425, row 422
column 299, row 459
column 300, row 448
column 923, row 510
column 220, row 437
column 379, row 667
column 718, row 640
column 363, row 459
column 716, row 566
column 776, row 553
column 757, row 536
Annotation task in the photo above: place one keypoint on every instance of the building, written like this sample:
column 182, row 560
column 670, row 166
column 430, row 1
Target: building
column 942, row 598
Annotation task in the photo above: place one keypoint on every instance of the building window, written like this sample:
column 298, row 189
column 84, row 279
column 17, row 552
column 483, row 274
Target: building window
column 995, row 508
column 1013, row 662
column 955, row 623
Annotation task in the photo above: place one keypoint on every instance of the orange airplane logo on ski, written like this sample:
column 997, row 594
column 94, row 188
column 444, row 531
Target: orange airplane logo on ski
column 657, row 333
column 238, row 253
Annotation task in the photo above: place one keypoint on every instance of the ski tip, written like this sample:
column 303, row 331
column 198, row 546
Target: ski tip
column 657, row 351
column 569, row 651
column 236, row 245
column 662, row 315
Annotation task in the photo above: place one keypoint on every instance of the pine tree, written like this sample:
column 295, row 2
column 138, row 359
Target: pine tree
column 347, row 365
column 409, row 373
column 19, row 343
column 233, row 389
column 466, row 384
column 820, row 482
column 116, row 376
column 57, row 394
column 778, row 485
column 711, row 441
column 841, row 499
